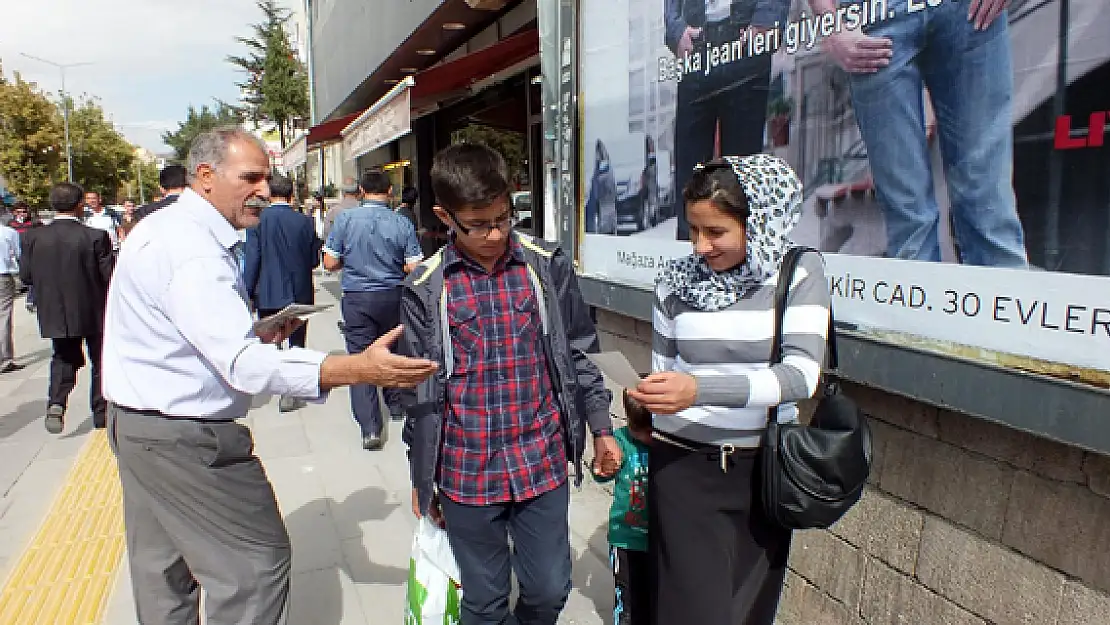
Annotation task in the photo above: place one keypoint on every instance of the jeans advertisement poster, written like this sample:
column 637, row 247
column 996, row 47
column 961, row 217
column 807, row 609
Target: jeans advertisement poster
column 959, row 189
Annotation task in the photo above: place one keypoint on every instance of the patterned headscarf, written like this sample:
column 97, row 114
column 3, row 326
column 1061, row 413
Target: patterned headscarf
column 775, row 202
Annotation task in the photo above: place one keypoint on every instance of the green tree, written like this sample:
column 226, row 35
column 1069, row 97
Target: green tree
column 32, row 146
column 102, row 158
column 275, row 90
column 196, row 122
column 149, row 178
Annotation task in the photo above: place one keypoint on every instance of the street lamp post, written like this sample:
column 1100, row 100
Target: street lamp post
column 65, row 106
column 142, row 192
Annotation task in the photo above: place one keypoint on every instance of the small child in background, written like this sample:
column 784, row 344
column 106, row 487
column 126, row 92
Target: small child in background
column 628, row 517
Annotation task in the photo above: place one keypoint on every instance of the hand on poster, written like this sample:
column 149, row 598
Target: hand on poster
column 686, row 41
column 982, row 13
column 859, row 53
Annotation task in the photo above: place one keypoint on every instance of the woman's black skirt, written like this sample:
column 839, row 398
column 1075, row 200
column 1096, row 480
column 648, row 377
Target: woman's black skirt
column 716, row 559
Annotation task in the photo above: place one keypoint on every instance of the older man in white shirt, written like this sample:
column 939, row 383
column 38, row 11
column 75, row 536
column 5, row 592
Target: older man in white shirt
column 180, row 363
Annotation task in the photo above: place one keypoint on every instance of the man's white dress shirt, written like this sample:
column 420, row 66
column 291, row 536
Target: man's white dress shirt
column 178, row 335
column 9, row 250
column 104, row 221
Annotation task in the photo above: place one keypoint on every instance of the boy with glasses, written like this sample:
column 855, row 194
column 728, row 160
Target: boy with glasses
column 491, row 437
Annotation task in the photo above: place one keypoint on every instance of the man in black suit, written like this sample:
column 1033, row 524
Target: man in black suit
column 70, row 265
column 279, row 256
column 172, row 179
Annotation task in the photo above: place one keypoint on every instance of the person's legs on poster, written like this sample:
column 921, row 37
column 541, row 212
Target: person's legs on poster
column 695, row 125
column 970, row 76
column 890, row 110
column 743, row 86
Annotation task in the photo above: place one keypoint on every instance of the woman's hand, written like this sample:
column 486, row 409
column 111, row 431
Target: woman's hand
column 667, row 392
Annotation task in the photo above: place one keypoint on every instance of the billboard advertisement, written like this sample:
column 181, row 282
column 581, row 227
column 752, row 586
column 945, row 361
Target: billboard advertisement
column 953, row 154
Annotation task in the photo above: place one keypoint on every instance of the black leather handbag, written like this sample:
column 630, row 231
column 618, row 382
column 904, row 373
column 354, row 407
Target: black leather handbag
column 812, row 474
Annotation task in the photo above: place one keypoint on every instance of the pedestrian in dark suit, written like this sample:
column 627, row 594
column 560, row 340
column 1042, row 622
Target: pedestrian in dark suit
column 280, row 254
column 172, row 179
column 69, row 264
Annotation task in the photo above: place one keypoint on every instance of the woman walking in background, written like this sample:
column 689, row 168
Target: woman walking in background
column 716, row 558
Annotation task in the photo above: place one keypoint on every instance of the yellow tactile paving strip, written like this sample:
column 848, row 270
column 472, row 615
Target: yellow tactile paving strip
column 66, row 574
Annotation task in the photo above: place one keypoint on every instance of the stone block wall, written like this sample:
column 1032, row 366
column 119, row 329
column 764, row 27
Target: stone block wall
column 965, row 522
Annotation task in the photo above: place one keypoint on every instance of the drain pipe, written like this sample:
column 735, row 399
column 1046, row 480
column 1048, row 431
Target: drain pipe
column 1056, row 158
column 312, row 89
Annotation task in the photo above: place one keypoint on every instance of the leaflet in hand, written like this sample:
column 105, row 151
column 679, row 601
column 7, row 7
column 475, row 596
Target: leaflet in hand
column 292, row 311
column 617, row 368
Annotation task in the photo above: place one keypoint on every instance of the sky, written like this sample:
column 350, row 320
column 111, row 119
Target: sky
column 149, row 59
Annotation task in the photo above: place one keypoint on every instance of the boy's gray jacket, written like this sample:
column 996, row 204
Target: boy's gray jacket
column 568, row 335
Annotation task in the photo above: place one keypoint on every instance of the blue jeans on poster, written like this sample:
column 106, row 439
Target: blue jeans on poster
column 970, row 80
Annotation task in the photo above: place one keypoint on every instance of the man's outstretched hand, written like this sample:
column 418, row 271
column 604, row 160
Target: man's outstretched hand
column 376, row 365
column 381, row 367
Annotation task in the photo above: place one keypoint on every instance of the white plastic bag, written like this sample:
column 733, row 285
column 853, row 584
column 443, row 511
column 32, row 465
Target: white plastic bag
column 433, row 593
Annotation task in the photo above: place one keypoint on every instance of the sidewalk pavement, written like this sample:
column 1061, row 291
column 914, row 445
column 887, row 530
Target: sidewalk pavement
column 347, row 510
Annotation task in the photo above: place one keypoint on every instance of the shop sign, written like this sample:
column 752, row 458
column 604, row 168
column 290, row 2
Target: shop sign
column 295, row 153
column 999, row 254
column 388, row 119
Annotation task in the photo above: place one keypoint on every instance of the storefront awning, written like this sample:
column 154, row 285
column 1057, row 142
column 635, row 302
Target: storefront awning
column 329, row 131
column 464, row 71
column 295, row 154
column 386, row 120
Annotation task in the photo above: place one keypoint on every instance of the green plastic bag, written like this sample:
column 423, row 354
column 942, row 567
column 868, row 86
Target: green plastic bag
column 433, row 592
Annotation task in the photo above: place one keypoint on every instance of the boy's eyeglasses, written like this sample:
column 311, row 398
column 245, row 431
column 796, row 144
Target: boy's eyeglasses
column 482, row 231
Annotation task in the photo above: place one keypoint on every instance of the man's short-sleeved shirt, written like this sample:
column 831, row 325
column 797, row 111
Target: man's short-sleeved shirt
column 374, row 244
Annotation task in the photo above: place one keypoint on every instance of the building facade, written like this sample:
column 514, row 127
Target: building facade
column 392, row 86
column 986, row 383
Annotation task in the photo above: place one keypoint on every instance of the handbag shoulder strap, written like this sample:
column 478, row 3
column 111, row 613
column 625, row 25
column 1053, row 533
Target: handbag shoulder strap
column 782, row 294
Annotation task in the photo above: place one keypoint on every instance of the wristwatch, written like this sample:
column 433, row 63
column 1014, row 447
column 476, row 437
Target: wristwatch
column 603, row 432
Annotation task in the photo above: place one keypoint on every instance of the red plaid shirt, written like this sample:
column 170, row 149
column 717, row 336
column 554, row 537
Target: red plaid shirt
column 502, row 435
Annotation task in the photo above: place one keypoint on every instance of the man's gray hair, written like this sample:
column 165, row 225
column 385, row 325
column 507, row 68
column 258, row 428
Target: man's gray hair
column 211, row 147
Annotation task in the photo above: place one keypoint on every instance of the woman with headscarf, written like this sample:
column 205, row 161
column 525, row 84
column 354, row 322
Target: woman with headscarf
column 717, row 559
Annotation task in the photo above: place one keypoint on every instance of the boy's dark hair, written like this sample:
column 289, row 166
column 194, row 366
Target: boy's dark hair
column 281, row 187
column 66, row 197
column 469, row 175
column 717, row 182
column 409, row 195
column 173, row 177
column 639, row 418
column 375, row 182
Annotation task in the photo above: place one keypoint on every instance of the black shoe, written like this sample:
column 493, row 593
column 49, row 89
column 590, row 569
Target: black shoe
column 12, row 367
column 372, row 442
column 55, row 419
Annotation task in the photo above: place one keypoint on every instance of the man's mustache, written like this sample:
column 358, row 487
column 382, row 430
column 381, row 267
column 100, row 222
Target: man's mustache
column 257, row 202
